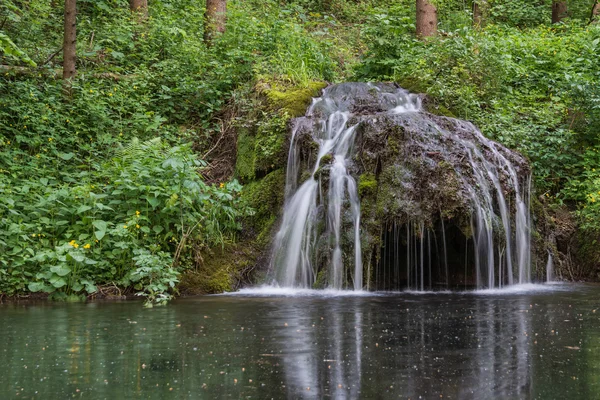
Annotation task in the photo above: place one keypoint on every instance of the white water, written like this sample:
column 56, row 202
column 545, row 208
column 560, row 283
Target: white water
column 550, row 269
column 294, row 250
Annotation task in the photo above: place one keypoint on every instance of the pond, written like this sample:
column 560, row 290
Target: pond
column 537, row 342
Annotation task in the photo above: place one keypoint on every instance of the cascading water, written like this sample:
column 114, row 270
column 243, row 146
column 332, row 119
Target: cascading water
column 379, row 130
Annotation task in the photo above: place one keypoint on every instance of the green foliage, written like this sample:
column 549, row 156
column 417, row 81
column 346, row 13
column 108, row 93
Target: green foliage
column 153, row 276
column 526, row 89
column 7, row 47
column 118, row 222
column 79, row 209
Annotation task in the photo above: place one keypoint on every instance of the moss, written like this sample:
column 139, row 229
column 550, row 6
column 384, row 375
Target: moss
column 292, row 100
column 266, row 198
column 222, row 270
column 413, row 85
column 244, row 166
column 439, row 109
column 321, row 280
column 430, row 104
column 269, row 146
column 367, row 185
column 324, row 162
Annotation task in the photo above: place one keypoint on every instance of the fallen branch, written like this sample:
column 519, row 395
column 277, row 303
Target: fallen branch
column 57, row 73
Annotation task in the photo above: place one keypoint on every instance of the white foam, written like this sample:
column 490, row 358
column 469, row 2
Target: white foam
column 522, row 289
column 276, row 291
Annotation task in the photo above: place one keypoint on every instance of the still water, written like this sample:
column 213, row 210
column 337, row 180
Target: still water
column 537, row 342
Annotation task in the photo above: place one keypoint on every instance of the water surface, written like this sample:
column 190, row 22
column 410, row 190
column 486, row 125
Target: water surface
column 534, row 342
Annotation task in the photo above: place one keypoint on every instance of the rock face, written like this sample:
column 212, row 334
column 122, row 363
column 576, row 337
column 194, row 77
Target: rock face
column 439, row 204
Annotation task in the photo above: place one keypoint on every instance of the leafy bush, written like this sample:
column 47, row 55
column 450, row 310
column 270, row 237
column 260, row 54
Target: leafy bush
column 116, row 222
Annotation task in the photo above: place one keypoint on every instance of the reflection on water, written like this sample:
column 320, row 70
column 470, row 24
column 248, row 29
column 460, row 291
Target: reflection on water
column 536, row 344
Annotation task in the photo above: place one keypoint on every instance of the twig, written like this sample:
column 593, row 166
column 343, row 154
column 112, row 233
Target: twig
column 91, row 41
column 51, row 57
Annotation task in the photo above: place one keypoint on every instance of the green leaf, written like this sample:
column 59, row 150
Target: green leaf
column 60, row 270
column 66, row 156
column 76, row 256
column 83, row 209
column 57, row 281
column 8, row 47
column 36, row 286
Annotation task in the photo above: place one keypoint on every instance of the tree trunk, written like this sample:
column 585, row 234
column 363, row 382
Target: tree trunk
column 426, row 19
column 479, row 12
column 559, row 11
column 214, row 19
column 70, row 41
column 139, row 6
column 595, row 16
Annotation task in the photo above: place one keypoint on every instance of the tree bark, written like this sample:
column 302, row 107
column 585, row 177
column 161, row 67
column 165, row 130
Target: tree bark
column 139, row 6
column 70, row 41
column 559, row 11
column 214, row 19
column 479, row 12
column 595, row 16
column 426, row 19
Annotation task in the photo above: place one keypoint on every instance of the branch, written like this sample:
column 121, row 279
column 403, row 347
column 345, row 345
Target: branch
column 51, row 57
column 57, row 73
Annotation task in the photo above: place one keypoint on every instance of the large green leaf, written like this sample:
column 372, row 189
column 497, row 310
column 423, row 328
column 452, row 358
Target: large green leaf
column 60, row 270
column 57, row 281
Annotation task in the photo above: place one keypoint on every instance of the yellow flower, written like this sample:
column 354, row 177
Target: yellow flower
column 110, row 94
column 222, row 185
column 86, row 246
column 50, row 139
column 137, row 213
column 137, row 226
column 91, row 91
column 124, row 226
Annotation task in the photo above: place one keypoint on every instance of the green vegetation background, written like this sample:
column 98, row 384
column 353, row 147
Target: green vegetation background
column 123, row 184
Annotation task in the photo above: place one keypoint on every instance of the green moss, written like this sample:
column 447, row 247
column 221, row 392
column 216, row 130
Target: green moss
column 325, row 161
column 413, row 85
column 439, row 109
column 367, row 185
column 321, row 280
column 266, row 198
column 221, row 270
column 292, row 100
column 431, row 104
column 269, row 147
column 244, row 166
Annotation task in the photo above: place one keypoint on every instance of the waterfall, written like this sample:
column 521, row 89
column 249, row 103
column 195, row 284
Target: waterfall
column 320, row 239
column 550, row 268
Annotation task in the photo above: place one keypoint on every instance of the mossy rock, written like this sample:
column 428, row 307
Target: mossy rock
column 367, row 185
column 289, row 99
column 245, row 161
column 223, row 270
column 265, row 197
column 430, row 104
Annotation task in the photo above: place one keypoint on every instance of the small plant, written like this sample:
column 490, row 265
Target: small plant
column 153, row 277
